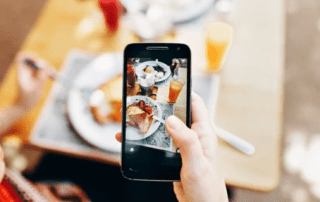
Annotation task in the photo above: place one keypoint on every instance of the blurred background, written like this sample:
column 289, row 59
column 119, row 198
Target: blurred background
column 297, row 143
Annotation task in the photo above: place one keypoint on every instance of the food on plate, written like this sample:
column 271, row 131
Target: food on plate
column 159, row 75
column 99, row 108
column 158, row 71
column 148, row 69
column 139, row 115
column 143, row 121
column 154, row 97
column 106, row 101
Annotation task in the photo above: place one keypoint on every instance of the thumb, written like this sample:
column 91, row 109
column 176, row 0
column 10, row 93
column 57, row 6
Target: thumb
column 185, row 139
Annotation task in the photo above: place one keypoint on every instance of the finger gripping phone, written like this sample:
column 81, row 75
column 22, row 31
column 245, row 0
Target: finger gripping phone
column 156, row 85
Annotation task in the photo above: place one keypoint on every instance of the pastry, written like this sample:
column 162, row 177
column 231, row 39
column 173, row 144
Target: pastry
column 106, row 101
column 140, row 115
column 143, row 121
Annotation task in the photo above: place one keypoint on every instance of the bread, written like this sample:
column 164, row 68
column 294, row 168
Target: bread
column 143, row 121
column 106, row 101
column 139, row 114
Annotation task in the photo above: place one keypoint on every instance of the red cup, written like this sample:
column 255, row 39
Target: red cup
column 111, row 10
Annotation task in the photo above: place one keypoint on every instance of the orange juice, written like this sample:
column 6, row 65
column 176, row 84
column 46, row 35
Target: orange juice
column 174, row 90
column 218, row 40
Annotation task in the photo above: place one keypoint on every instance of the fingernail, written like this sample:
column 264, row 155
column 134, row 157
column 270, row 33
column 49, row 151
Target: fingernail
column 173, row 122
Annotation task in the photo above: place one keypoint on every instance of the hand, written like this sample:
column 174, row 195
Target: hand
column 200, row 179
column 2, row 164
column 30, row 81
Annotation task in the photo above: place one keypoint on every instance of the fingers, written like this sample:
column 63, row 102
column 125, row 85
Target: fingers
column 119, row 137
column 2, row 164
column 1, row 154
column 201, row 123
column 178, row 190
column 2, row 170
column 22, row 56
column 199, row 110
column 185, row 139
column 25, row 69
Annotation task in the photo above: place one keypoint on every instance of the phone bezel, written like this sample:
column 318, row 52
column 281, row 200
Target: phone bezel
column 169, row 168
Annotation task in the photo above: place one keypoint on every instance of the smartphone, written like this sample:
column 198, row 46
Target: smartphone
column 156, row 84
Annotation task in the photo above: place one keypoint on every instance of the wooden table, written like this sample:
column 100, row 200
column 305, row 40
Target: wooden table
column 251, row 98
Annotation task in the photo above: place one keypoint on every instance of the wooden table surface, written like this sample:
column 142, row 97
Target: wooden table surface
column 251, row 99
column 251, row 96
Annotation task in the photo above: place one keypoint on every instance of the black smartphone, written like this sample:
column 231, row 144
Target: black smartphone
column 156, row 84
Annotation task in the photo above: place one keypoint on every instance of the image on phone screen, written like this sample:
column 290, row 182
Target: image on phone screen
column 156, row 89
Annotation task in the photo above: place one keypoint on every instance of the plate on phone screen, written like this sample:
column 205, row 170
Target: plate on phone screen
column 102, row 69
column 134, row 131
column 152, row 64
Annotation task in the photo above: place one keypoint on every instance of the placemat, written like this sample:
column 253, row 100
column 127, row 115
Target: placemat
column 54, row 131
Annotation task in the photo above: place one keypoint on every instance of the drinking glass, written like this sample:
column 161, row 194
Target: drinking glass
column 174, row 90
column 218, row 40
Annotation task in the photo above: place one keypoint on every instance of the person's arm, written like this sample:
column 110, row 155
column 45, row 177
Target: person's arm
column 30, row 86
column 8, row 116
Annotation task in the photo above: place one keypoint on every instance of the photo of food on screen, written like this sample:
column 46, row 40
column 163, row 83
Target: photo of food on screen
column 155, row 90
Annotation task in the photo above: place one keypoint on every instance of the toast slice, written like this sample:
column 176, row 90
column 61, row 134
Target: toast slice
column 143, row 121
column 107, row 105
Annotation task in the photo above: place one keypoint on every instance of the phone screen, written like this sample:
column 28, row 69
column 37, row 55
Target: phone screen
column 157, row 86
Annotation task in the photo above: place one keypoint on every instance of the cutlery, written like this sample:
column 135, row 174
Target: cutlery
column 230, row 138
column 54, row 74
column 159, row 119
column 234, row 141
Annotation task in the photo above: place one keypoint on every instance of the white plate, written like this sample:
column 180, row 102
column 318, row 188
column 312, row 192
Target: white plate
column 102, row 69
column 192, row 11
column 179, row 15
column 133, row 133
column 141, row 66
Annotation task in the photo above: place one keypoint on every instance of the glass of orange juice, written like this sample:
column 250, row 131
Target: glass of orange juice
column 174, row 90
column 218, row 39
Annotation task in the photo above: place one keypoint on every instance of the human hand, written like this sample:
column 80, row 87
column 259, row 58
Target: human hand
column 200, row 179
column 2, row 164
column 30, row 81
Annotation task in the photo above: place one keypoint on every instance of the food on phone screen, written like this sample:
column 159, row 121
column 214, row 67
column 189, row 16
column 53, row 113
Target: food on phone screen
column 139, row 115
column 131, row 81
column 158, row 71
column 148, row 69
